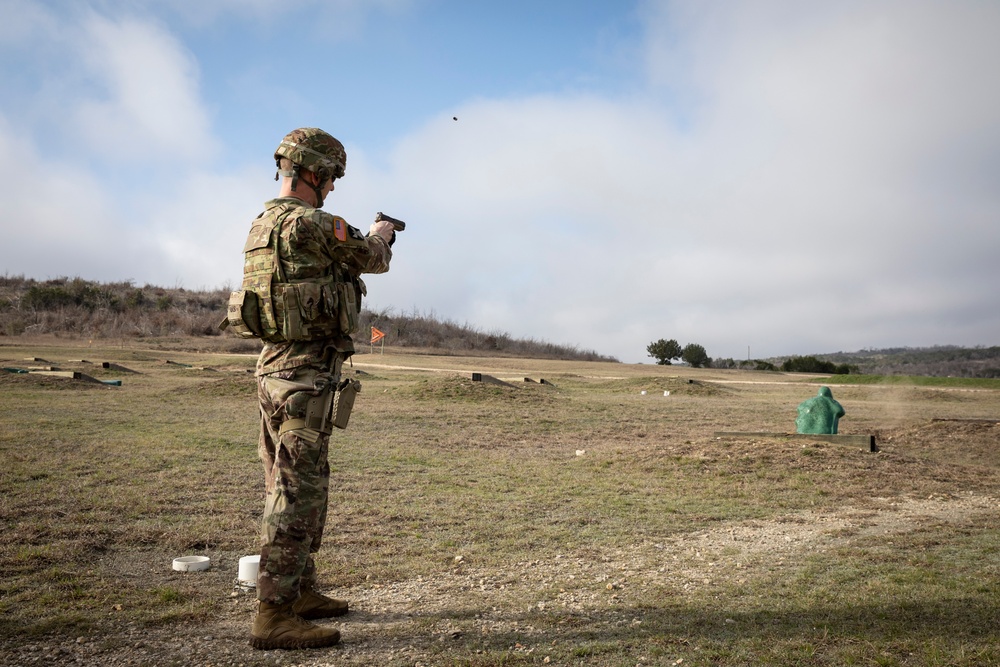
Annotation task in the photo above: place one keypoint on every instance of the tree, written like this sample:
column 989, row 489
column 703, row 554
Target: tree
column 695, row 355
column 814, row 365
column 664, row 350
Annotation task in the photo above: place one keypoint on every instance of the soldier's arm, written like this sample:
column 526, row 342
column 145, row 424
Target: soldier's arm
column 379, row 257
column 347, row 245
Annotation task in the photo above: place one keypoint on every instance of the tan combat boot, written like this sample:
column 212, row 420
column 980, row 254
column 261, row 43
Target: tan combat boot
column 277, row 626
column 316, row 605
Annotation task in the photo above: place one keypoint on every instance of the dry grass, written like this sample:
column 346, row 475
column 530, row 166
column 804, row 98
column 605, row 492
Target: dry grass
column 480, row 524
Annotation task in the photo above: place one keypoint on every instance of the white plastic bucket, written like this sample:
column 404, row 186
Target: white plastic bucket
column 247, row 575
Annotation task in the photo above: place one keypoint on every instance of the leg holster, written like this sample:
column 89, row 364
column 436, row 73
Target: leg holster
column 309, row 409
column 327, row 404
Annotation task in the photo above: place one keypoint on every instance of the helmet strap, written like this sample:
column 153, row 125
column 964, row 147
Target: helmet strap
column 321, row 175
column 282, row 172
column 294, row 175
column 319, row 195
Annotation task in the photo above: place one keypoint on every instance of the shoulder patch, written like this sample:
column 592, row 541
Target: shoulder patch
column 340, row 228
column 356, row 233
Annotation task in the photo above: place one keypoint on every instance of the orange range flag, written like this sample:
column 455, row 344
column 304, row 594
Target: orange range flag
column 377, row 335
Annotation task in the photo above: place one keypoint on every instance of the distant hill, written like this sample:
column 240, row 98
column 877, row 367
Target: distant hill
column 936, row 361
column 74, row 307
column 83, row 308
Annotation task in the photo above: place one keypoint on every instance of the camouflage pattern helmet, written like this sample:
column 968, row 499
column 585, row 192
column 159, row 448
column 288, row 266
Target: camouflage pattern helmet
column 315, row 150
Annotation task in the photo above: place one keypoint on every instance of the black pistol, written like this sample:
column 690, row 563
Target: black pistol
column 397, row 225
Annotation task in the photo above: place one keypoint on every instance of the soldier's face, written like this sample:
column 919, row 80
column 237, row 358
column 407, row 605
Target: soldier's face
column 327, row 187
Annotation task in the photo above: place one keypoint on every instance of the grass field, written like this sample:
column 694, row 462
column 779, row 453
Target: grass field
column 577, row 522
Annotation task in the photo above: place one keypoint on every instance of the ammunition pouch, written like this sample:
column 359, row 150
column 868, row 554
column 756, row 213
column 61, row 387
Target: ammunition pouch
column 343, row 402
column 350, row 307
column 243, row 315
column 307, row 310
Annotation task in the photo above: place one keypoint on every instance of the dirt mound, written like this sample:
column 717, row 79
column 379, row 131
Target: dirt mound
column 675, row 385
column 467, row 389
column 39, row 381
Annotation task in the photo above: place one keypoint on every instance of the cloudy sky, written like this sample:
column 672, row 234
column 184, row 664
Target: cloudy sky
column 781, row 177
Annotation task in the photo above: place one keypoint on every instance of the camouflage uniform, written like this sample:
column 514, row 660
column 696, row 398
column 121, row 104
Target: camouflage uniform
column 311, row 244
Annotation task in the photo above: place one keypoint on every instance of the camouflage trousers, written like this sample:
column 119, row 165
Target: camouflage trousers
column 297, row 482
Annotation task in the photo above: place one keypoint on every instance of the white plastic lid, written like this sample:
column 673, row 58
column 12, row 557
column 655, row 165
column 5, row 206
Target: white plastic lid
column 192, row 563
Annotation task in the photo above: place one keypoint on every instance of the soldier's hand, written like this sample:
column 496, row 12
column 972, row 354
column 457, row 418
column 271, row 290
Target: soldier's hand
column 384, row 229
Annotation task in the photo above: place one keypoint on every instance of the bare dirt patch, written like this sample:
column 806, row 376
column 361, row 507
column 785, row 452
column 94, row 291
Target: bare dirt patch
column 424, row 620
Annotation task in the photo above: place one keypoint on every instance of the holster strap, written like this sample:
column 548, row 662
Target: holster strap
column 316, row 424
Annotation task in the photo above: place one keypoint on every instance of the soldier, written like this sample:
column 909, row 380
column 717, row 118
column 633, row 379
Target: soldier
column 302, row 294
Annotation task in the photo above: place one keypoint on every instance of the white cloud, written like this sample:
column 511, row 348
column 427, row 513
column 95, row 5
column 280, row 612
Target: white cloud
column 103, row 143
column 62, row 225
column 199, row 230
column 148, row 109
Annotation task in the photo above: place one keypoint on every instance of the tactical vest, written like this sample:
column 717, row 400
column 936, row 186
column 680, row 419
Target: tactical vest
column 271, row 307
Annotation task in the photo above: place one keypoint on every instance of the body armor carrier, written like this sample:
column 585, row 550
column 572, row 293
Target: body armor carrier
column 278, row 310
